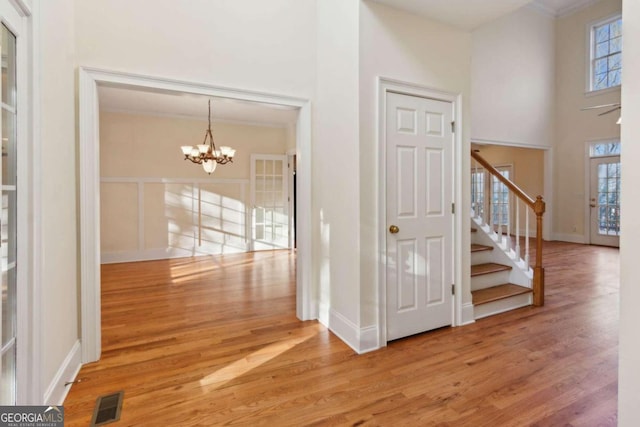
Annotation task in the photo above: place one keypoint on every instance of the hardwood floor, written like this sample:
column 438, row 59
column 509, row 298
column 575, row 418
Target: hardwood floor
column 215, row 341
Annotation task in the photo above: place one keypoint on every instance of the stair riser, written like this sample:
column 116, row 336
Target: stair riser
column 488, row 280
column 482, row 257
column 495, row 307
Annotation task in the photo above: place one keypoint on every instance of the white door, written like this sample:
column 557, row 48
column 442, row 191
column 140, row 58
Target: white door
column 419, row 218
column 270, row 212
column 604, row 201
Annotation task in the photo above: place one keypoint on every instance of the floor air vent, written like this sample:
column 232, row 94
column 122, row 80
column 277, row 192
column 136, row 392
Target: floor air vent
column 107, row 409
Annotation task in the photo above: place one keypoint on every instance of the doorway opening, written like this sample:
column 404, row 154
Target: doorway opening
column 90, row 81
column 604, row 193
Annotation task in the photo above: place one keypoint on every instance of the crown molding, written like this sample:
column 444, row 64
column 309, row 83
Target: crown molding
column 560, row 13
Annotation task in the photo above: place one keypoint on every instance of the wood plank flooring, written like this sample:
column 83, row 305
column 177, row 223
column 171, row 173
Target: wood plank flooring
column 215, row 341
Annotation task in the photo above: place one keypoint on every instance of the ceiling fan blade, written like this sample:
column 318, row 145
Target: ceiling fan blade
column 609, row 111
column 617, row 104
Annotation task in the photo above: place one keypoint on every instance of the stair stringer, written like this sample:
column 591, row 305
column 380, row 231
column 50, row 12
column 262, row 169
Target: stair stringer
column 520, row 273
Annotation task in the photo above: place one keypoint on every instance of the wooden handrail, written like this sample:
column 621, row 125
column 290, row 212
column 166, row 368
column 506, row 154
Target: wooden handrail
column 493, row 171
column 538, row 207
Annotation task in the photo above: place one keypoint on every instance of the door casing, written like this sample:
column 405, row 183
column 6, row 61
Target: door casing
column 89, row 177
column 460, row 314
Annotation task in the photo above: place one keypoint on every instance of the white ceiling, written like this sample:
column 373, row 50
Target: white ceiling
column 470, row 14
column 188, row 105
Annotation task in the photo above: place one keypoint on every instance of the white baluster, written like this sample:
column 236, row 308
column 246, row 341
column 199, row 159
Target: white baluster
column 508, row 220
column 518, row 253
column 486, row 199
column 500, row 206
column 474, row 189
column 526, row 239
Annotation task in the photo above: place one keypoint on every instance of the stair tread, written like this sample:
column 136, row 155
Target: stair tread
column 488, row 268
column 495, row 293
column 478, row 248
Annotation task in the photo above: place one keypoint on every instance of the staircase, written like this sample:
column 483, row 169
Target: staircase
column 501, row 277
column 498, row 281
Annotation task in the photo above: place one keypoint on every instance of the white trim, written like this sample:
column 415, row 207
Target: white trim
column 467, row 314
column 571, row 9
column 59, row 387
column 89, row 79
column 306, row 300
column 35, row 386
column 160, row 180
column 570, row 238
column 21, row 6
column 361, row 340
column 161, row 253
column 542, row 8
column 589, row 91
column 586, row 229
column 385, row 85
column 515, row 144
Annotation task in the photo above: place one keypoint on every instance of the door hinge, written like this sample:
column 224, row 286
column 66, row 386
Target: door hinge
column 453, row 127
column 453, row 208
column 453, row 289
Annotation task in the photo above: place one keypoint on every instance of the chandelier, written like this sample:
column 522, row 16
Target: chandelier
column 206, row 154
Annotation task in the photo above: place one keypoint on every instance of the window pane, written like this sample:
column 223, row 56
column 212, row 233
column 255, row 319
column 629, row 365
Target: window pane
column 615, row 61
column 602, row 49
column 8, row 305
column 602, row 33
column 615, row 45
column 614, row 78
column 8, row 217
column 7, row 383
column 616, row 28
column 8, row 147
column 601, row 66
column 600, row 81
column 8, row 67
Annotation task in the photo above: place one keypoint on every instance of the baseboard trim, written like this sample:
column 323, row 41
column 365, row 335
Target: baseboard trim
column 571, row 238
column 361, row 340
column 57, row 391
column 468, row 316
column 161, row 253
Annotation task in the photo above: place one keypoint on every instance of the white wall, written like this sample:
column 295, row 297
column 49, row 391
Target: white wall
column 156, row 205
column 267, row 46
column 401, row 46
column 59, row 297
column 512, row 79
column 574, row 128
column 335, row 156
column 629, row 368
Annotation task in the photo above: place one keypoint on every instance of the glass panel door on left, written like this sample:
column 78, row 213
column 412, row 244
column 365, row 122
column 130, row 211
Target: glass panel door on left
column 8, row 223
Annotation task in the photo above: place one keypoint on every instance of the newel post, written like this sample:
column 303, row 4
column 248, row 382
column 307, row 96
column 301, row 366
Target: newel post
column 538, row 270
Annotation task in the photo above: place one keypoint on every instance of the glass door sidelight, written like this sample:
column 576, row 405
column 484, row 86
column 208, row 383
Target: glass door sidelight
column 8, row 223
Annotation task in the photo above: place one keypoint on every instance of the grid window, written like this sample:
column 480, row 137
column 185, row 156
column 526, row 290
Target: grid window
column 606, row 54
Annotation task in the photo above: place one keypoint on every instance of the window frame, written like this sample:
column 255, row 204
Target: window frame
column 590, row 57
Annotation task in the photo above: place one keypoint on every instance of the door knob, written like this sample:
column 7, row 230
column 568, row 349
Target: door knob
column 394, row 229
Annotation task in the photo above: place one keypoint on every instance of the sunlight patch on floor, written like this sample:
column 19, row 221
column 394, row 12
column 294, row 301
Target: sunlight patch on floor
column 241, row 366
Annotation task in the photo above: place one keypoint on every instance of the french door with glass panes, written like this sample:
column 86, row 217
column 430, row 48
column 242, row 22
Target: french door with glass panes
column 269, row 200
column 605, row 201
column 8, row 219
column 500, row 207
